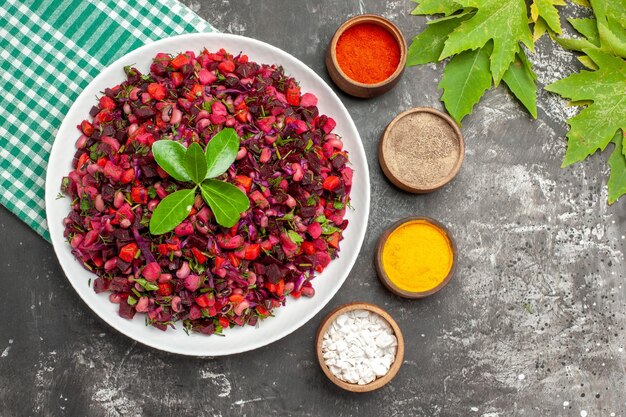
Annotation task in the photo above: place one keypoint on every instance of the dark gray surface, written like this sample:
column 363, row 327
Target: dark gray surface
column 532, row 324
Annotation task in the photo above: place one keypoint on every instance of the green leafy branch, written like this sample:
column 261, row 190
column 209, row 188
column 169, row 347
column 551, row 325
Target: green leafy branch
column 484, row 40
column 192, row 165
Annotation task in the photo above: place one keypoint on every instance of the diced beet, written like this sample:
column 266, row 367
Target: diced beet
column 101, row 284
column 126, row 311
column 273, row 273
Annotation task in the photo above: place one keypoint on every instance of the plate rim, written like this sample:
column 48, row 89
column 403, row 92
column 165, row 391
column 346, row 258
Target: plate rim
column 316, row 308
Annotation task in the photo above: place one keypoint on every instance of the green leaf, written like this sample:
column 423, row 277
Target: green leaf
column 617, row 162
column 574, row 44
column 503, row 21
column 195, row 163
column 226, row 201
column 547, row 11
column 465, row 79
column 221, row 152
column 170, row 156
column 587, row 62
column 594, row 127
column 587, row 27
column 131, row 300
column 171, row 211
column 446, row 7
column 614, row 8
column 295, row 237
column 427, row 46
column 520, row 79
column 612, row 36
column 461, row 13
column 539, row 29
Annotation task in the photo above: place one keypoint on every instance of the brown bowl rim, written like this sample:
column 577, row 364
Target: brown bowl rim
column 445, row 180
column 391, row 27
column 384, row 278
column 395, row 366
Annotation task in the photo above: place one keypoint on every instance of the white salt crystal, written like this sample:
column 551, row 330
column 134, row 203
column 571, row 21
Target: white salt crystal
column 359, row 347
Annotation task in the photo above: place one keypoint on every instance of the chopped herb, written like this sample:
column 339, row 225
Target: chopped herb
column 295, row 237
column 147, row 285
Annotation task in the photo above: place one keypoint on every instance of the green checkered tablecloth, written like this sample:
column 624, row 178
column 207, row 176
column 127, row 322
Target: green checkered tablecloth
column 49, row 51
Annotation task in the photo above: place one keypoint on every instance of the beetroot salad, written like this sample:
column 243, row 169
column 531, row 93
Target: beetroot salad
column 289, row 164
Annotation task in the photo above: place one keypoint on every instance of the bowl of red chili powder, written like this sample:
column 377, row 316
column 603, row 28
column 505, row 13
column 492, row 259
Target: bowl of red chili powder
column 366, row 56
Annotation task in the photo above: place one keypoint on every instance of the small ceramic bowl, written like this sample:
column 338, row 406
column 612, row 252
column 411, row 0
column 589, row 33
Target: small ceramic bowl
column 395, row 366
column 414, row 188
column 384, row 278
column 351, row 86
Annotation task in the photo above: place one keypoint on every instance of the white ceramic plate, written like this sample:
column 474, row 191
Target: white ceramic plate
column 297, row 312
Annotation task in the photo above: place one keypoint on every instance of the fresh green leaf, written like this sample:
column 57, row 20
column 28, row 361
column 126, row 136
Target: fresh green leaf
column 295, row 237
column 427, row 46
column 587, row 27
column 612, row 34
column 171, row 211
column 587, row 62
column 503, row 21
column 520, row 79
column 446, row 7
column 574, row 44
column 539, row 29
column 594, row 127
column 195, row 163
column 614, row 8
column 547, row 11
column 170, row 156
column 461, row 13
column 131, row 300
column 617, row 162
column 465, row 79
column 226, row 201
column 221, row 152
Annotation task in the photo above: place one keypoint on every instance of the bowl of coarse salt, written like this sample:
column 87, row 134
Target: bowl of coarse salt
column 360, row 347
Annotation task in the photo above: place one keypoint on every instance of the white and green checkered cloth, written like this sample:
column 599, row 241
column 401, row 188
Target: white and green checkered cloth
column 49, row 51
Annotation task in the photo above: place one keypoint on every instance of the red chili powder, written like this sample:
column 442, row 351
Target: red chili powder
column 368, row 53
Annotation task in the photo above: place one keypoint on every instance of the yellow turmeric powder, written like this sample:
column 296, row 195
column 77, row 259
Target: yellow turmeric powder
column 417, row 256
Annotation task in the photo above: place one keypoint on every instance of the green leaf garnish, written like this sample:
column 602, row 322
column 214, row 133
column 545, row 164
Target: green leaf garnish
column 170, row 156
column 195, row 163
column 295, row 237
column 171, row 211
column 221, row 152
column 226, row 201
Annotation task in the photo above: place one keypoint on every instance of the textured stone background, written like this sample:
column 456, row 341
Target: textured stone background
column 532, row 324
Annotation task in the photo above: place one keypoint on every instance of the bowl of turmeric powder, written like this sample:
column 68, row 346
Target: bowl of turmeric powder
column 416, row 257
column 366, row 56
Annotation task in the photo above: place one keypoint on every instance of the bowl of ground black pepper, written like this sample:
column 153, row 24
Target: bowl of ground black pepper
column 421, row 150
column 366, row 56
